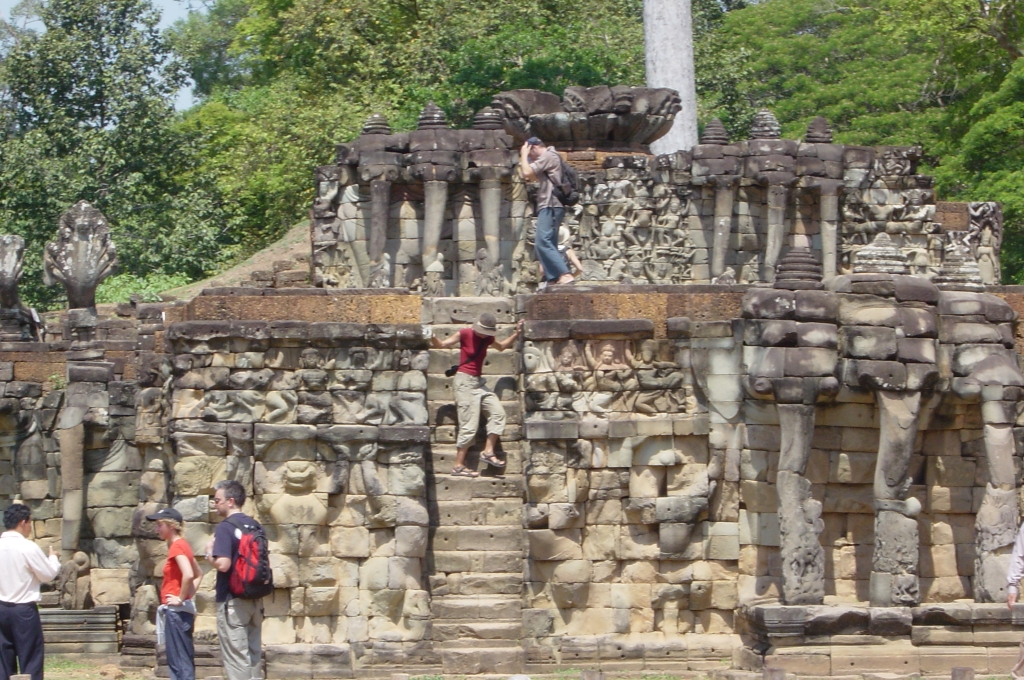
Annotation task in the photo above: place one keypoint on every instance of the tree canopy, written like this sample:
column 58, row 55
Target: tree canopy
column 86, row 105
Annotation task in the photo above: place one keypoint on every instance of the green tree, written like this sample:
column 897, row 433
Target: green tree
column 291, row 78
column 806, row 58
column 90, row 116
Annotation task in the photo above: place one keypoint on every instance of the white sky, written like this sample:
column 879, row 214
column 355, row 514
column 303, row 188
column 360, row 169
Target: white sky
column 171, row 11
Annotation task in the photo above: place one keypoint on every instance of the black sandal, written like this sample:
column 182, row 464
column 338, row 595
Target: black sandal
column 461, row 471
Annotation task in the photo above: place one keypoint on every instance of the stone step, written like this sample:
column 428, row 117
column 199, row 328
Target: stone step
column 488, row 607
column 478, row 629
column 493, row 583
column 495, row 512
column 482, row 538
column 453, row 488
column 476, row 643
column 470, row 661
column 443, row 460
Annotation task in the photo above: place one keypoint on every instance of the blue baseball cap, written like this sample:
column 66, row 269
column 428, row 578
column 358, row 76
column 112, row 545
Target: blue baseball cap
column 534, row 141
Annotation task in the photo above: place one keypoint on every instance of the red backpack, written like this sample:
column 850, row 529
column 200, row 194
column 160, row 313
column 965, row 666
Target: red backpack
column 251, row 575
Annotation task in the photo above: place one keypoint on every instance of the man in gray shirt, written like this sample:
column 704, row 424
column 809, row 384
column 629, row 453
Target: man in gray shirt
column 541, row 164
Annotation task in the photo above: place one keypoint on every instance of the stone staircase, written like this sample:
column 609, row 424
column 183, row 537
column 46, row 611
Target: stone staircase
column 477, row 571
column 89, row 631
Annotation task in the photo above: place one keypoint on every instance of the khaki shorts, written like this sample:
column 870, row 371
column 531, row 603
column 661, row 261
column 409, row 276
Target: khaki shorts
column 472, row 397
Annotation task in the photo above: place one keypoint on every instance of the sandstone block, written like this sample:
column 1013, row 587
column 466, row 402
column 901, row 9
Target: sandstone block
column 601, row 542
column 109, row 586
column 545, row 544
column 111, row 489
column 759, row 496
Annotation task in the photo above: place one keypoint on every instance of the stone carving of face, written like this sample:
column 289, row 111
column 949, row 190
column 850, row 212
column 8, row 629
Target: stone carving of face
column 567, row 357
column 647, row 351
column 311, row 358
column 607, row 355
column 299, row 477
column 419, row 361
column 532, row 358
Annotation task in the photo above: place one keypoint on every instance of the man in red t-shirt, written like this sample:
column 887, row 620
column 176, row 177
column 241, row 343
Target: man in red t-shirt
column 471, row 394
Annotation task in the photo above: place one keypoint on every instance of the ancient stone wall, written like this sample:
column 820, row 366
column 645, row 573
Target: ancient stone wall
column 447, row 213
column 816, row 453
column 642, row 517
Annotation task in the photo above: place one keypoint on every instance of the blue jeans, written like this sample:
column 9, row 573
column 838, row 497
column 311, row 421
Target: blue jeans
column 178, row 627
column 546, row 243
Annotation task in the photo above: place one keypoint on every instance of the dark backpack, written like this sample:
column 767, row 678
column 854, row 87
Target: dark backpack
column 568, row 190
column 251, row 575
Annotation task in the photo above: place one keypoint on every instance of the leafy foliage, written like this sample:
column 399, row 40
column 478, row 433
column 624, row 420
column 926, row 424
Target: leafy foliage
column 89, row 116
column 85, row 106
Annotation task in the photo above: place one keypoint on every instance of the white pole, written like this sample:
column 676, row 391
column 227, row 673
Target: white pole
column 668, row 38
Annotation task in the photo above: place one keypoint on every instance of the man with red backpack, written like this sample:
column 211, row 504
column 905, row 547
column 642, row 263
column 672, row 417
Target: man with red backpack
column 239, row 553
column 542, row 164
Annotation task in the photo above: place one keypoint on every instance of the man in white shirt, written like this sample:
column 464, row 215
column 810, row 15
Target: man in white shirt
column 23, row 566
column 1013, row 576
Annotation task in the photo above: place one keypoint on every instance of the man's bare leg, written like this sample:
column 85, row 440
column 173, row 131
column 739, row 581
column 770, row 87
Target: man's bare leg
column 487, row 455
column 574, row 261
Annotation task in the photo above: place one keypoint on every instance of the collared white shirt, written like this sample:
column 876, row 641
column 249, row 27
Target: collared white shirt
column 23, row 566
column 1016, row 570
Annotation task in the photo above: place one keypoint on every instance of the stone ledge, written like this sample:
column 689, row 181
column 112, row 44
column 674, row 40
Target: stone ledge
column 390, row 306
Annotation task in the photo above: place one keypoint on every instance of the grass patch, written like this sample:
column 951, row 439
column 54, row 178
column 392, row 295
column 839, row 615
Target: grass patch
column 59, row 664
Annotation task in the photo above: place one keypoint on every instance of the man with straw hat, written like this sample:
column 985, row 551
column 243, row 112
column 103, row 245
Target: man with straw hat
column 471, row 394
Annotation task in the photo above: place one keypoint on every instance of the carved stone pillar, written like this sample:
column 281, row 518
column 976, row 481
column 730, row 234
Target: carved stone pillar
column 71, row 439
column 829, row 224
column 435, row 196
column 997, row 519
column 380, row 205
column 795, row 377
column 803, row 558
column 894, row 581
column 725, row 194
column 778, row 193
column 490, row 212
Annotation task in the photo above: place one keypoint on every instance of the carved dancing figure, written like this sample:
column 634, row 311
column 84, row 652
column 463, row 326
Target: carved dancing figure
column 380, row 273
column 433, row 284
column 658, row 380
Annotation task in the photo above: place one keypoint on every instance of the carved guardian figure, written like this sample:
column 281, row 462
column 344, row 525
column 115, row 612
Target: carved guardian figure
column 82, row 256
column 12, row 250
